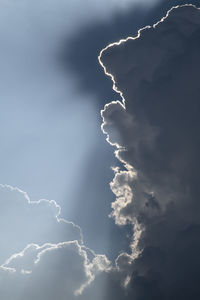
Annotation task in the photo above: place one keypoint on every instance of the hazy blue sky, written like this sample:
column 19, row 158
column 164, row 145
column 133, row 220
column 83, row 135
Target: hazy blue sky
column 50, row 130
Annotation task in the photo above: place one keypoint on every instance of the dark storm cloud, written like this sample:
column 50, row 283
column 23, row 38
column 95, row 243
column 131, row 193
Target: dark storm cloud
column 80, row 55
column 156, row 132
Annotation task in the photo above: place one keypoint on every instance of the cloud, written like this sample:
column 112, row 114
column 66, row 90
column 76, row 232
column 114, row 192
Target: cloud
column 25, row 221
column 55, row 264
column 63, row 270
column 156, row 132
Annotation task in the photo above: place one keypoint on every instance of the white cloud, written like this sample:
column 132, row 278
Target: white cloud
column 42, row 255
column 25, row 221
column 60, row 270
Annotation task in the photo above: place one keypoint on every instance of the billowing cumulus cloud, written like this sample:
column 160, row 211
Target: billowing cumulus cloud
column 51, row 271
column 25, row 221
column 55, row 264
column 156, row 131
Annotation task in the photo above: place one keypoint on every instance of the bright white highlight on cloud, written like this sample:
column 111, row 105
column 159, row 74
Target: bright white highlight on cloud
column 37, row 243
column 64, row 271
column 25, row 221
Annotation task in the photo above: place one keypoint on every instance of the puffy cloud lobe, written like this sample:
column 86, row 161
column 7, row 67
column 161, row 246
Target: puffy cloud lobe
column 156, row 131
column 56, row 264
column 25, row 221
column 50, row 271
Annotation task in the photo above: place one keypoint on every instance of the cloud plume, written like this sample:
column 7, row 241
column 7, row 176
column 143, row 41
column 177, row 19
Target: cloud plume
column 156, row 132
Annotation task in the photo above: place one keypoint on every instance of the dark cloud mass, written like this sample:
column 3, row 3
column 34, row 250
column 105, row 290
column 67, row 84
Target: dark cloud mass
column 91, row 39
column 156, row 132
column 78, row 55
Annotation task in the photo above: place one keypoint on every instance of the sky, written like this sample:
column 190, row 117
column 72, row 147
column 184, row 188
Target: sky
column 99, row 150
